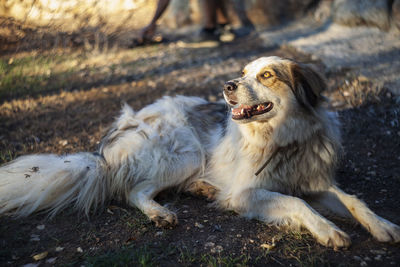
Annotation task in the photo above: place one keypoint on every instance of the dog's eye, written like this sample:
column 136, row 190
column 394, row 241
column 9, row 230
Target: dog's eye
column 243, row 73
column 267, row 74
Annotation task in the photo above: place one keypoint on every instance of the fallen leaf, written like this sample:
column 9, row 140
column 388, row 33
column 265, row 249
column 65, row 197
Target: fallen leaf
column 40, row 256
column 267, row 246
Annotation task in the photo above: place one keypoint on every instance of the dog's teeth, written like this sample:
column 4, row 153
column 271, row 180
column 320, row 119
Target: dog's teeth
column 242, row 111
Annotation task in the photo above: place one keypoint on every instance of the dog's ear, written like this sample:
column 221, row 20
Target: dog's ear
column 308, row 85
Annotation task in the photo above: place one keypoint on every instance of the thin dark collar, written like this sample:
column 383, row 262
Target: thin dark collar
column 275, row 150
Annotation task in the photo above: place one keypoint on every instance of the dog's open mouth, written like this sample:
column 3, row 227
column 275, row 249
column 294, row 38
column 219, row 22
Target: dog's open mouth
column 246, row 111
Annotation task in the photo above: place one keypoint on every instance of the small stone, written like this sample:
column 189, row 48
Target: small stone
column 160, row 233
column 217, row 249
column 357, row 258
column 209, row 245
column 34, row 238
column 199, row 225
column 79, row 249
column 51, row 260
column 378, row 257
column 378, row 252
column 217, row 228
column 238, row 235
column 363, row 263
column 59, row 249
column 211, row 238
column 185, row 211
column 367, row 258
column 40, row 227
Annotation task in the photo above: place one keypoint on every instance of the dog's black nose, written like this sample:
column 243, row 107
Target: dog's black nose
column 230, row 86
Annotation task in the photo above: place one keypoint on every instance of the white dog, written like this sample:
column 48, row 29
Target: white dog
column 275, row 145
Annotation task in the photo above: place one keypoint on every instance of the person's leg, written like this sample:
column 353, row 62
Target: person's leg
column 241, row 13
column 222, row 14
column 210, row 15
column 246, row 25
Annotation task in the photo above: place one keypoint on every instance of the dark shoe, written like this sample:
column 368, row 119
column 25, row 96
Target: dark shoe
column 243, row 31
column 205, row 35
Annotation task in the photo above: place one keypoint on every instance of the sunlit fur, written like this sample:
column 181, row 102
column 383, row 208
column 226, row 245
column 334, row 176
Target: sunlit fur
column 193, row 145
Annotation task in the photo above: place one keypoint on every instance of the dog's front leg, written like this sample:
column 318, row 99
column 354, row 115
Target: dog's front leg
column 279, row 209
column 381, row 229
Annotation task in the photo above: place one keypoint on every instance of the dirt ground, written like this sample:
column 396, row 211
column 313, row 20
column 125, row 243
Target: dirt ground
column 73, row 119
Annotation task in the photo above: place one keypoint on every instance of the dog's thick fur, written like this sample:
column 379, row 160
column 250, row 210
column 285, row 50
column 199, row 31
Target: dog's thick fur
column 276, row 117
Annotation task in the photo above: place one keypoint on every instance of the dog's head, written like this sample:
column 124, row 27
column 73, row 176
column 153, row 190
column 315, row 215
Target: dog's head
column 270, row 86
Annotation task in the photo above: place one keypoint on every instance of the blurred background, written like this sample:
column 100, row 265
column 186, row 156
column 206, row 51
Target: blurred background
column 49, row 24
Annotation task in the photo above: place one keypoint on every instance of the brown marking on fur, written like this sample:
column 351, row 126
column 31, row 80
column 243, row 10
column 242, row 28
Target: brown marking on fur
column 201, row 188
column 305, row 83
column 128, row 127
column 308, row 84
column 150, row 119
column 269, row 82
column 279, row 81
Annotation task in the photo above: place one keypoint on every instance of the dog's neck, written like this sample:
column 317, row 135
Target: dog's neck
column 281, row 132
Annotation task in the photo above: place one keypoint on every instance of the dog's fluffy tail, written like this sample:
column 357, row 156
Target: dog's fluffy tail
column 51, row 183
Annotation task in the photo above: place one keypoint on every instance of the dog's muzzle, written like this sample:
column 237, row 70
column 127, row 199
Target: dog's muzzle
column 229, row 92
column 230, row 86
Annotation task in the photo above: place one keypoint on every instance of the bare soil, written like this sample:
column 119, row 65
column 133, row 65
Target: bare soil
column 68, row 121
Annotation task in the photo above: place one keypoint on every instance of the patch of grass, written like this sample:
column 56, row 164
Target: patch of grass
column 34, row 74
column 301, row 247
column 137, row 220
column 186, row 257
column 228, row 260
column 6, row 156
column 127, row 256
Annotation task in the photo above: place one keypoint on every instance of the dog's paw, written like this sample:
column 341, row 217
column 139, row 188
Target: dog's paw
column 165, row 220
column 201, row 188
column 385, row 231
column 335, row 238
